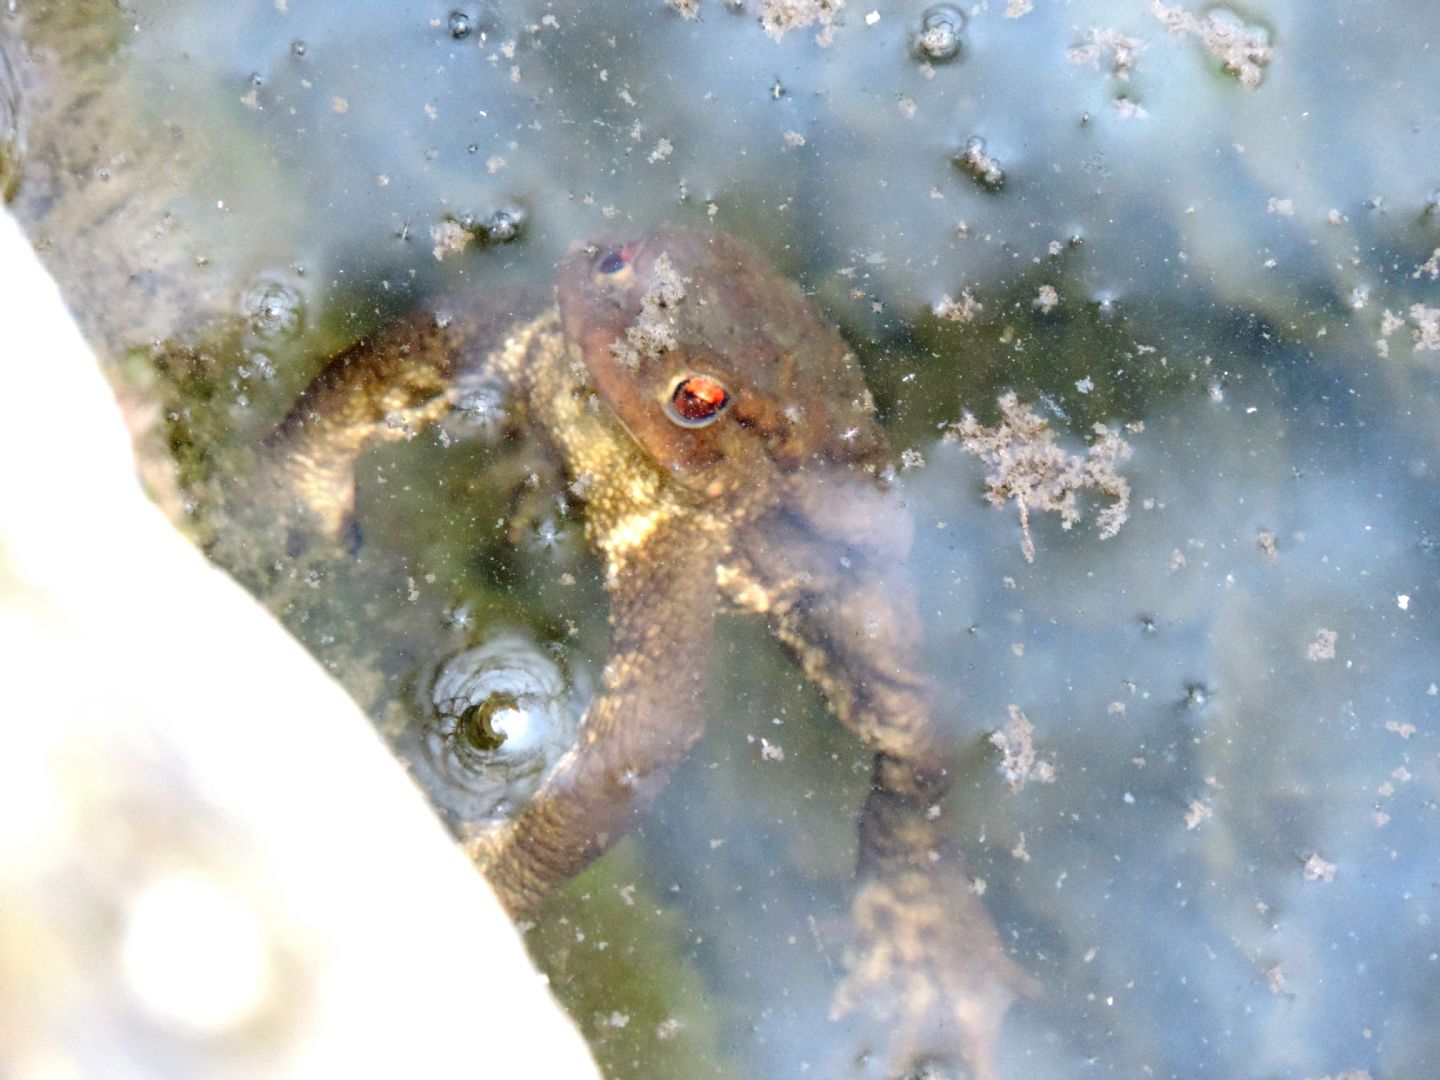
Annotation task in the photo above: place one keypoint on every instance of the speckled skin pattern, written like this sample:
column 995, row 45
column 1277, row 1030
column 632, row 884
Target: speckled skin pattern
column 781, row 506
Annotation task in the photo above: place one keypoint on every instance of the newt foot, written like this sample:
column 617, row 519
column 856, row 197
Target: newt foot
column 926, row 960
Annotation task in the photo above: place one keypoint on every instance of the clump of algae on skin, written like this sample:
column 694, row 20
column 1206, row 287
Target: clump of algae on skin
column 1028, row 465
column 653, row 332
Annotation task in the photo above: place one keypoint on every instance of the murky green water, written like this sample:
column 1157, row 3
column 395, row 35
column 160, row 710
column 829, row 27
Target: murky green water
column 1234, row 872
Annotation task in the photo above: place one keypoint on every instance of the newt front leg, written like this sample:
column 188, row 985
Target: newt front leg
column 642, row 723
column 660, row 544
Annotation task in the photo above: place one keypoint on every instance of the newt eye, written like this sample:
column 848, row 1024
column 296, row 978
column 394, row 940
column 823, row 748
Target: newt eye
column 612, row 263
column 697, row 401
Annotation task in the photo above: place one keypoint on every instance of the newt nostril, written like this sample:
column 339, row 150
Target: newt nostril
column 616, row 265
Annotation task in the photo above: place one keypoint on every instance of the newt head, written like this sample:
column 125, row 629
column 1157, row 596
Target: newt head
column 718, row 366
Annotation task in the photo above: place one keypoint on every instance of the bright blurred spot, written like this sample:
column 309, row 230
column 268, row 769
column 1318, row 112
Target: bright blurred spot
column 195, row 955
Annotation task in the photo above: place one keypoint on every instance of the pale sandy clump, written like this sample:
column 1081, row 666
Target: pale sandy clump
column 1196, row 813
column 1243, row 51
column 1027, row 465
column 980, row 165
column 687, row 9
column 963, row 310
column 1317, row 869
column 1323, row 647
column 1123, row 52
column 779, row 17
column 450, row 238
column 1430, row 267
column 1426, row 323
column 653, row 332
column 1019, row 763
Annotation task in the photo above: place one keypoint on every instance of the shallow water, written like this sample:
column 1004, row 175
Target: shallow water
column 1223, row 259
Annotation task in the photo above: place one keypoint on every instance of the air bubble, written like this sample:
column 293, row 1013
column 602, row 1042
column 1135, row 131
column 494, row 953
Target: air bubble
column 482, row 411
column 274, row 308
column 461, row 25
column 501, row 226
column 504, row 225
column 298, row 47
column 500, row 715
column 257, row 366
column 939, row 38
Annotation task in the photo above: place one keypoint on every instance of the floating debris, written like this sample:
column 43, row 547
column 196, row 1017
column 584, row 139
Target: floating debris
column 1323, row 647
column 1243, row 51
column 779, row 17
column 1123, row 51
column 452, row 235
column 963, row 310
column 1019, row 763
column 1027, row 465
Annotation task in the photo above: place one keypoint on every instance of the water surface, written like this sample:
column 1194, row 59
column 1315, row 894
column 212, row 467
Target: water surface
column 1235, row 868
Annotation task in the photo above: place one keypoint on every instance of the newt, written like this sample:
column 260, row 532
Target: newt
column 725, row 445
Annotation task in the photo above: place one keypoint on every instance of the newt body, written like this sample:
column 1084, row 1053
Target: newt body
column 722, row 438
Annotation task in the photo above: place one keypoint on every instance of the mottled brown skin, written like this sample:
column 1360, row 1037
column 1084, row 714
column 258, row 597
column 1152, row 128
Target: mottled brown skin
column 779, row 506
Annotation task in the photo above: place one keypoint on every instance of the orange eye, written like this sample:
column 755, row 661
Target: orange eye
column 697, row 401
